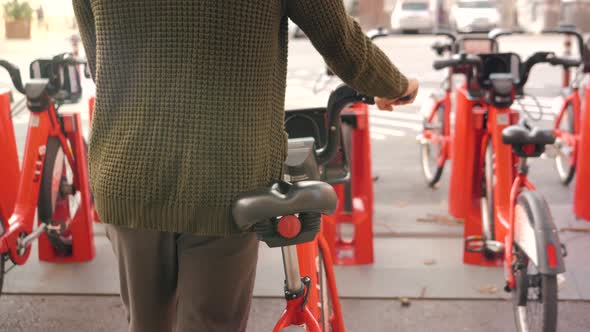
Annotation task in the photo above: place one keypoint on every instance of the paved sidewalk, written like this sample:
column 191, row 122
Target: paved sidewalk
column 105, row 314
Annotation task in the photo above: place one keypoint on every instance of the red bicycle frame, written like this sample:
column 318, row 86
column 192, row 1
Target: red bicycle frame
column 570, row 139
column 445, row 138
column 9, row 167
column 581, row 206
column 298, row 312
column 471, row 130
column 19, row 227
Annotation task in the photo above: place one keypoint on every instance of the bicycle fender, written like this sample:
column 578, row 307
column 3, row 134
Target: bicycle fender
column 539, row 234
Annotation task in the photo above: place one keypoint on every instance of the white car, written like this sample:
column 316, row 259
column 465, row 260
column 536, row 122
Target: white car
column 412, row 15
column 475, row 15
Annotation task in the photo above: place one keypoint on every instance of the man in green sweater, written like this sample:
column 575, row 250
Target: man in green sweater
column 189, row 114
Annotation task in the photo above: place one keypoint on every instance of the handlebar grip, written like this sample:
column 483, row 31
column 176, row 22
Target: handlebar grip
column 568, row 30
column 446, row 33
column 441, row 64
column 378, row 33
column 14, row 73
column 566, row 62
column 339, row 99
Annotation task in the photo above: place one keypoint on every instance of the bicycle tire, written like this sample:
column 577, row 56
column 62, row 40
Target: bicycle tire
column 488, row 199
column 324, row 296
column 50, row 192
column 2, row 271
column 430, row 168
column 565, row 170
column 546, row 284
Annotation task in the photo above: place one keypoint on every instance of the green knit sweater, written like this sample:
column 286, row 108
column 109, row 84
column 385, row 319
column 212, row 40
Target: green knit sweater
column 190, row 97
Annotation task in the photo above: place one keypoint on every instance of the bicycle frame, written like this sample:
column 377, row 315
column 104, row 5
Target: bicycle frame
column 568, row 138
column 9, row 167
column 581, row 206
column 306, row 310
column 504, row 170
column 445, row 138
column 19, row 231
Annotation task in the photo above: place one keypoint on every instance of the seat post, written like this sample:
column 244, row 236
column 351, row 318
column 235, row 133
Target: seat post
column 291, row 266
column 522, row 167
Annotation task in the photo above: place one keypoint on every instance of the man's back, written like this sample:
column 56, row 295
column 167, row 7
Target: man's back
column 190, row 96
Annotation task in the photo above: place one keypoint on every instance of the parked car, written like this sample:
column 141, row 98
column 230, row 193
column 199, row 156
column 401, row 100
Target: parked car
column 475, row 15
column 413, row 16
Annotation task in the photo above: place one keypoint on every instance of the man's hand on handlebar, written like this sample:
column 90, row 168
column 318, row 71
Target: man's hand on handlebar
column 386, row 104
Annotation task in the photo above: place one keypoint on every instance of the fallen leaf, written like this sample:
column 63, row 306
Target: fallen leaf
column 430, row 262
column 488, row 289
column 405, row 302
column 575, row 229
column 440, row 219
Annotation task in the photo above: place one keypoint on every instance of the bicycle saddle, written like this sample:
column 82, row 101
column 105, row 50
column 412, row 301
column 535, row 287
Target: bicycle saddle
column 284, row 199
column 527, row 141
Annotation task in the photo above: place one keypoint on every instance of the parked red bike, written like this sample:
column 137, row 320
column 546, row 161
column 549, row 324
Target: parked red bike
column 289, row 214
column 506, row 219
column 53, row 183
column 568, row 122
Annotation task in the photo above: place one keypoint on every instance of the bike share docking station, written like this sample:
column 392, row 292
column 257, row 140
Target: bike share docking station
column 464, row 196
column 17, row 200
column 349, row 231
column 582, row 188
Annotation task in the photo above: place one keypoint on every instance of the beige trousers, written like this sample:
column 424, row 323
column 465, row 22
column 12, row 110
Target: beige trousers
column 182, row 282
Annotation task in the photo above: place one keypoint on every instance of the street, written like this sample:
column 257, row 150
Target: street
column 418, row 247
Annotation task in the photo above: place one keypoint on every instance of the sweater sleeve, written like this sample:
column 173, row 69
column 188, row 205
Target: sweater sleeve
column 348, row 52
column 85, row 18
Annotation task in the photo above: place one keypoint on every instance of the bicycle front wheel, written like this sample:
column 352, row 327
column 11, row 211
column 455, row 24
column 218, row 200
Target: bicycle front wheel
column 58, row 198
column 563, row 163
column 432, row 149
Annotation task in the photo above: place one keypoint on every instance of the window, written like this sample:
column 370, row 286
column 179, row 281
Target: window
column 415, row 6
column 476, row 4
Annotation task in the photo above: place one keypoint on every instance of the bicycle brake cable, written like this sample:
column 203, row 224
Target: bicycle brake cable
column 526, row 111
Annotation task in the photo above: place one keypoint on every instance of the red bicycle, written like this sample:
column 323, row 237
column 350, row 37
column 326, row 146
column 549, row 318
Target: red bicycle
column 53, row 183
column 435, row 139
column 289, row 215
column 568, row 122
column 505, row 217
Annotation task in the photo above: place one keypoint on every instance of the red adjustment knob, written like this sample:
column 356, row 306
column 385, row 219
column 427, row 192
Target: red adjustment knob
column 289, row 226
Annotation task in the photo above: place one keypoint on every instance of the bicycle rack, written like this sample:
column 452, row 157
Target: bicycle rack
column 354, row 246
column 81, row 230
column 464, row 197
column 581, row 206
column 9, row 167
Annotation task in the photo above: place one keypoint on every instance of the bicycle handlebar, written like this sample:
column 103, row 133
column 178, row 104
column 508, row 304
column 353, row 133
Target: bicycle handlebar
column 446, row 33
column 378, row 33
column 457, row 60
column 569, row 30
column 566, row 62
column 60, row 59
column 339, row 99
column 14, row 73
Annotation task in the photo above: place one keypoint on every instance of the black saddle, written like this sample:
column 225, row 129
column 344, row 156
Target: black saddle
column 261, row 210
column 527, row 141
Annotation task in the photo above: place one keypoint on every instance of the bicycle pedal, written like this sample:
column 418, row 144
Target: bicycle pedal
column 474, row 243
column 494, row 246
column 421, row 139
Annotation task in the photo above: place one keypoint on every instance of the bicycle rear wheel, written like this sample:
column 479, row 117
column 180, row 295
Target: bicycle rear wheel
column 565, row 168
column 430, row 151
column 535, row 294
column 534, row 298
column 487, row 199
column 58, row 198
